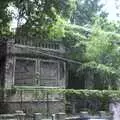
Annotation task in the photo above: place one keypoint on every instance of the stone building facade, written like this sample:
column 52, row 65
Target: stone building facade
column 41, row 65
column 29, row 65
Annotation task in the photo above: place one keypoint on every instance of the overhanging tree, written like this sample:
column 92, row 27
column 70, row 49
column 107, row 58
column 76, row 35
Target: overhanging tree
column 5, row 18
column 41, row 15
column 86, row 11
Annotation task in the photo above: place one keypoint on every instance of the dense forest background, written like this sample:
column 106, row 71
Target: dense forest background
column 81, row 25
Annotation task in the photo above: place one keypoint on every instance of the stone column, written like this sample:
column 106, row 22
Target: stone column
column 20, row 115
column 60, row 116
column 102, row 114
column 73, row 108
column 37, row 116
column 9, row 65
column 53, row 116
column 84, row 114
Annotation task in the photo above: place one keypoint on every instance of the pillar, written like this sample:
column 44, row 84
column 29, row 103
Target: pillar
column 20, row 115
column 37, row 116
column 60, row 116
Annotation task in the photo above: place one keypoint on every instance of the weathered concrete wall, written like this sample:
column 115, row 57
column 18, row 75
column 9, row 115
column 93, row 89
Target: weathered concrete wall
column 6, row 63
column 35, row 100
column 93, row 105
column 24, row 72
column 9, row 71
column 19, row 115
column 3, row 52
column 25, row 65
column 56, row 46
column 44, row 107
column 35, row 71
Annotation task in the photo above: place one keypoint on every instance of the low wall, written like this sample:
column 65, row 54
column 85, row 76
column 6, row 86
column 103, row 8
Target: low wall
column 33, row 100
column 18, row 115
column 74, row 106
column 29, row 107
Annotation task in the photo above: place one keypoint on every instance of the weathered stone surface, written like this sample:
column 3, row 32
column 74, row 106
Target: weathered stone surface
column 24, row 72
column 31, row 107
column 60, row 116
column 20, row 115
column 37, row 116
column 23, row 65
column 39, row 72
column 9, row 72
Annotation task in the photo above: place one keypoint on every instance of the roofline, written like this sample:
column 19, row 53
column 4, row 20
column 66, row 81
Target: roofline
column 53, row 56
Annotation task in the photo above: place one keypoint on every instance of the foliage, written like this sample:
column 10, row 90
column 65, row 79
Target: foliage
column 106, row 25
column 104, row 97
column 5, row 18
column 100, row 75
column 75, row 41
column 57, row 31
column 86, row 11
column 95, row 100
column 41, row 15
column 101, row 46
column 110, row 94
column 100, row 56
